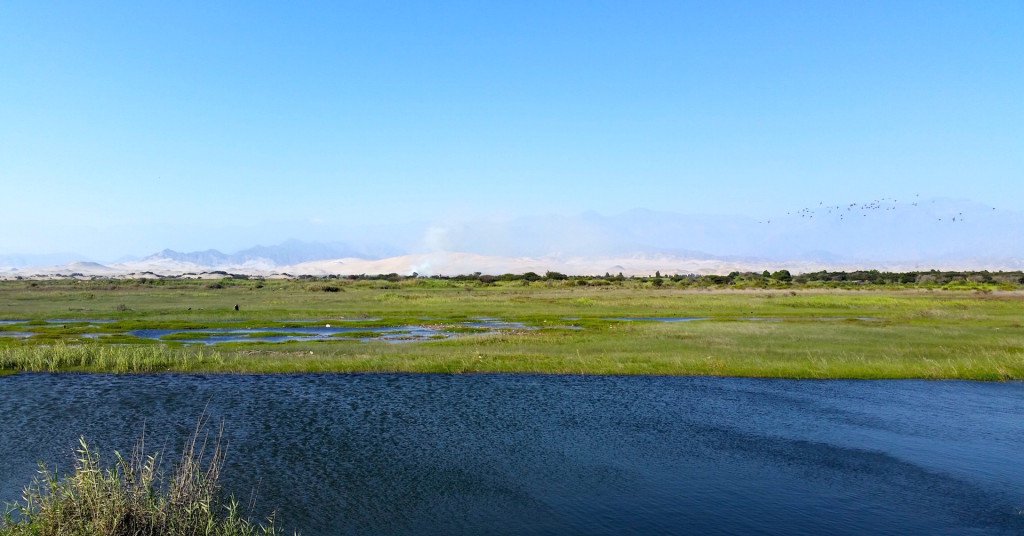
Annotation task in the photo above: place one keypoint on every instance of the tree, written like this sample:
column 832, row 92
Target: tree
column 782, row 275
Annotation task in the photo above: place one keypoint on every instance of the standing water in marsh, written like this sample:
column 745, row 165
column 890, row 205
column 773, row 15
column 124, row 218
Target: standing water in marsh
column 410, row 454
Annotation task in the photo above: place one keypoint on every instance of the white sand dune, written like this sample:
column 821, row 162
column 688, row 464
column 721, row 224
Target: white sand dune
column 449, row 263
column 456, row 263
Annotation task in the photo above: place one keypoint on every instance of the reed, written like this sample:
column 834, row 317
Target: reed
column 135, row 497
column 123, row 359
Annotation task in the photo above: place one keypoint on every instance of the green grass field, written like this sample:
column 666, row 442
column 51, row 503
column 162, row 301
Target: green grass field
column 793, row 333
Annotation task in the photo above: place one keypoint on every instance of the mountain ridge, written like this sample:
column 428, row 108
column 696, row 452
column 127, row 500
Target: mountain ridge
column 292, row 251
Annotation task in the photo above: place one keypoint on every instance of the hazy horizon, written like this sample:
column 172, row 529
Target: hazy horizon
column 126, row 129
column 880, row 232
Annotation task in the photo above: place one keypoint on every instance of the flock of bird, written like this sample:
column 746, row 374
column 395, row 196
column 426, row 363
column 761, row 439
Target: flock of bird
column 851, row 211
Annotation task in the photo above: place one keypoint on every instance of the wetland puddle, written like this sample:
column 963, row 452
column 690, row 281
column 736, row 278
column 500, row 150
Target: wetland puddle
column 292, row 330
column 665, row 319
column 278, row 334
column 328, row 332
column 80, row 321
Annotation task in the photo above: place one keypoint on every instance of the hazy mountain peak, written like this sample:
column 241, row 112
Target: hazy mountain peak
column 291, row 251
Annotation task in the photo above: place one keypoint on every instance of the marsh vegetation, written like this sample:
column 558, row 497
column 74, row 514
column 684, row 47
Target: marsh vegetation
column 134, row 496
column 547, row 325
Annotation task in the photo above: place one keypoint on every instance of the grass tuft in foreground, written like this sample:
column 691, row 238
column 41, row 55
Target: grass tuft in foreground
column 107, row 358
column 134, row 497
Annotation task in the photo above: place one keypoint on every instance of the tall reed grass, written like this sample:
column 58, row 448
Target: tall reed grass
column 134, row 497
column 106, row 358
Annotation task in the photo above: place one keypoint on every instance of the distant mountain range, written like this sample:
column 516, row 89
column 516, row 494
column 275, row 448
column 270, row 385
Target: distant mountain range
column 908, row 235
column 284, row 254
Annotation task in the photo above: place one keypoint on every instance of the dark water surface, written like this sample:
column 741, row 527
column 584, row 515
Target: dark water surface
column 432, row 454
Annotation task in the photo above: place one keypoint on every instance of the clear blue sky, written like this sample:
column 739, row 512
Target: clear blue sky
column 161, row 115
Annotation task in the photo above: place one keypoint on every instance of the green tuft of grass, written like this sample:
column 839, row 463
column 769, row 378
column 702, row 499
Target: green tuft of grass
column 98, row 356
column 134, row 497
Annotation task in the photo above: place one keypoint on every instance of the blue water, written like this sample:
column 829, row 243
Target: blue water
column 80, row 321
column 495, row 454
column 322, row 332
column 285, row 334
column 327, row 332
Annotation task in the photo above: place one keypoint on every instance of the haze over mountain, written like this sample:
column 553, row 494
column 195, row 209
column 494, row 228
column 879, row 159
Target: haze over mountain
column 878, row 233
column 289, row 252
column 867, row 232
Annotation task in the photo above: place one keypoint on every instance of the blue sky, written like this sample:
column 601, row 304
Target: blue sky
column 198, row 124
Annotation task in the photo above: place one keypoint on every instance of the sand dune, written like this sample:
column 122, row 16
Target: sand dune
column 456, row 263
column 450, row 263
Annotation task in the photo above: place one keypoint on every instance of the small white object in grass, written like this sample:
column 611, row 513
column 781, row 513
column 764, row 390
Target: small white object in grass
column 328, row 325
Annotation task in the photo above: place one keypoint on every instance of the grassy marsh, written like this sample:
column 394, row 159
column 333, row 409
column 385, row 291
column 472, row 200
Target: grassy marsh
column 776, row 332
